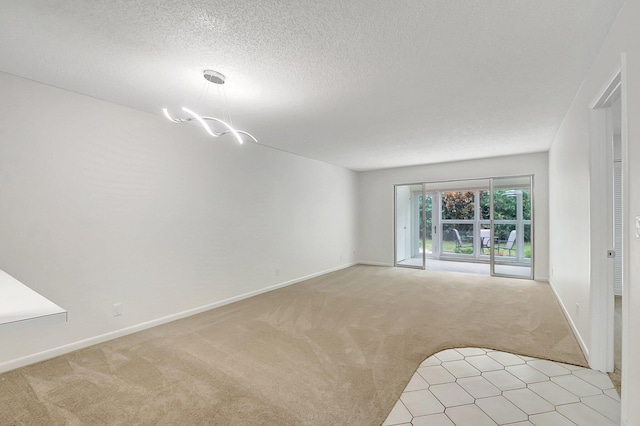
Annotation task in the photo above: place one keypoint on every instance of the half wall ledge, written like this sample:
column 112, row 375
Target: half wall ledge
column 20, row 306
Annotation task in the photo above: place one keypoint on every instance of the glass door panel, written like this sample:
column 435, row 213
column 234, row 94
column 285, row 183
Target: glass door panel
column 511, row 225
column 457, row 239
column 409, row 240
column 458, row 223
column 484, row 221
column 430, row 226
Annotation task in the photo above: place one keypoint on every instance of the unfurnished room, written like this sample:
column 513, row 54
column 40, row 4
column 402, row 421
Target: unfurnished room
column 396, row 213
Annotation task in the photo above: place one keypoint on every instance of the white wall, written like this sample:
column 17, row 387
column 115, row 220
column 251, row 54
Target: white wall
column 375, row 242
column 569, row 199
column 102, row 204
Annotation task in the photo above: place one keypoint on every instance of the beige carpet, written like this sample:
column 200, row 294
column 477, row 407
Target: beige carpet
column 335, row 350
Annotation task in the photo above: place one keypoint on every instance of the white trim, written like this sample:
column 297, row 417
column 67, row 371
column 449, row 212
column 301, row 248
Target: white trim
column 626, row 379
column 576, row 333
column 64, row 349
column 608, row 90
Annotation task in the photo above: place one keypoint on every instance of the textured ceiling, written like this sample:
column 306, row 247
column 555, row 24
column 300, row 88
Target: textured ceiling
column 362, row 84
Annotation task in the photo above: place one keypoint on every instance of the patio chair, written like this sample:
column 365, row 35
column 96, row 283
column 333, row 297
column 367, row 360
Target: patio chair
column 510, row 242
column 459, row 240
column 485, row 240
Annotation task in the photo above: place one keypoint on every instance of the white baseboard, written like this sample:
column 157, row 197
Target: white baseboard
column 64, row 349
column 366, row 262
column 576, row 333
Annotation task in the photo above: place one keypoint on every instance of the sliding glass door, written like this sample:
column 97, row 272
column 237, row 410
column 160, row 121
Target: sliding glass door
column 512, row 227
column 410, row 217
column 485, row 223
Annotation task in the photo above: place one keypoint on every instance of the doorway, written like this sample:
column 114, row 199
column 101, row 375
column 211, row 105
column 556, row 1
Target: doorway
column 616, row 115
column 607, row 254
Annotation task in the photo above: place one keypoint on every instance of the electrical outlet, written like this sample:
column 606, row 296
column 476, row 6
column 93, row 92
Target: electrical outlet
column 277, row 272
column 341, row 257
column 117, row 309
column 577, row 309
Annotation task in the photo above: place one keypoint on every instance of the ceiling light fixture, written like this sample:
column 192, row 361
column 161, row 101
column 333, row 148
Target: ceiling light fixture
column 216, row 78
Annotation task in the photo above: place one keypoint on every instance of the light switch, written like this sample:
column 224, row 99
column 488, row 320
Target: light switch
column 638, row 227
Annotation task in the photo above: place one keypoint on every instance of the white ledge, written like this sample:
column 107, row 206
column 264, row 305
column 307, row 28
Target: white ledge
column 21, row 305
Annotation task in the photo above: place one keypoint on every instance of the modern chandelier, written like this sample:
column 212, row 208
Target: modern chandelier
column 222, row 128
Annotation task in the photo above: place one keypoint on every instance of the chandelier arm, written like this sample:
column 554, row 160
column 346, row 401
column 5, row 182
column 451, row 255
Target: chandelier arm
column 200, row 120
column 203, row 120
column 169, row 117
column 230, row 129
column 226, row 132
column 190, row 119
column 242, row 132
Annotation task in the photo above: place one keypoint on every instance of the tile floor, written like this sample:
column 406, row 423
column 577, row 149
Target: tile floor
column 472, row 386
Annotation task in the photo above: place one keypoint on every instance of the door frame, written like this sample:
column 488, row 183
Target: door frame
column 601, row 296
column 492, row 262
column 435, row 223
column 395, row 226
